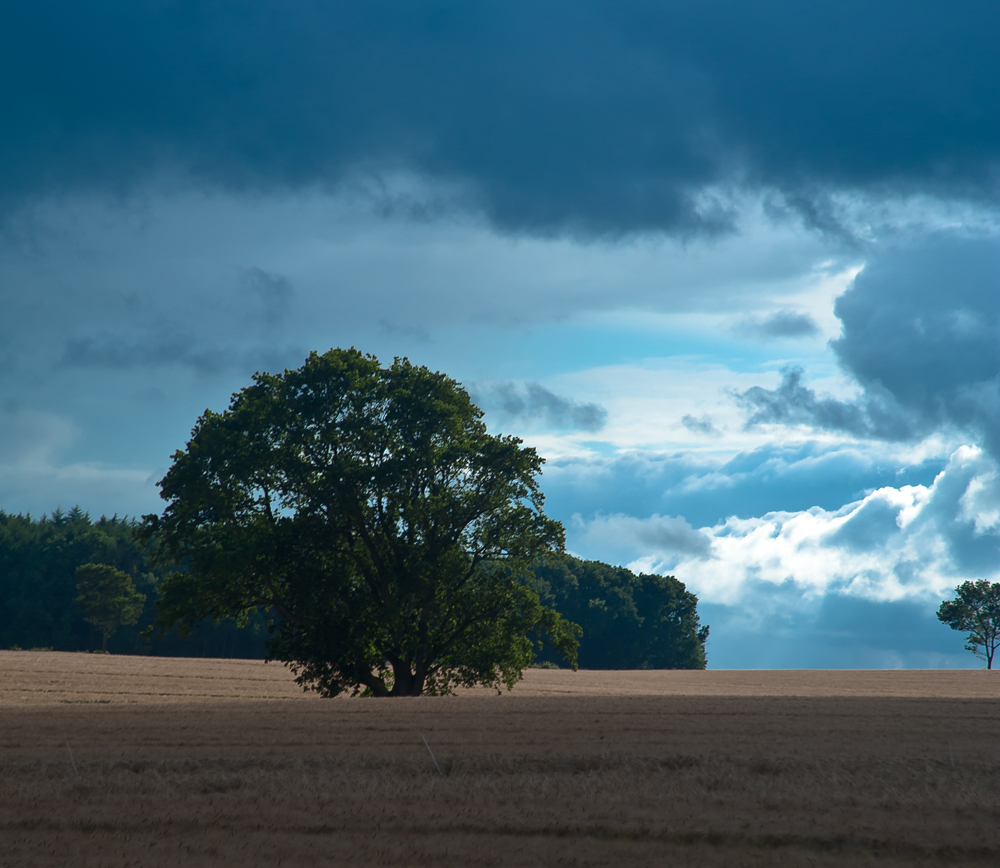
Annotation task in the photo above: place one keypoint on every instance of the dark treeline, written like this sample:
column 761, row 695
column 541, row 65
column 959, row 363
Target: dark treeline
column 629, row 621
column 38, row 561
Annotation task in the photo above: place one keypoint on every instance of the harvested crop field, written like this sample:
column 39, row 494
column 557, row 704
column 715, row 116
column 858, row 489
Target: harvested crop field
column 202, row 762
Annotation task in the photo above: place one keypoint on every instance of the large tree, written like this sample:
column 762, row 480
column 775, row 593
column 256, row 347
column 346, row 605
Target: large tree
column 372, row 511
column 975, row 611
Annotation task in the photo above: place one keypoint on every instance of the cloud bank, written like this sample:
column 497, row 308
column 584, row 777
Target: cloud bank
column 913, row 542
column 592, row 117
column 922, row 324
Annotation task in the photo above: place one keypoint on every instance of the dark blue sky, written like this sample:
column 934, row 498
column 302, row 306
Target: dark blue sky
column 733, row 268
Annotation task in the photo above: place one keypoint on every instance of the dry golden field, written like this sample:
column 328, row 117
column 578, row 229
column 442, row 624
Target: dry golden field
column 204, row 762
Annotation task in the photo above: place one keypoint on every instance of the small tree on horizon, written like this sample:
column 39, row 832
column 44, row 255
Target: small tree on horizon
column 108, row 598
column 976, row 611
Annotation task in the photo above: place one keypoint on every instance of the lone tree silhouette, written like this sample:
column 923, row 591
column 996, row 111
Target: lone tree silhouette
column 975, row 610
column 371, row 510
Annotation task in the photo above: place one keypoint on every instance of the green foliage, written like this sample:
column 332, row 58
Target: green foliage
column 108, row 598
column 38, row 562
column 629, row 621
column 372, row 510
column 975, row 611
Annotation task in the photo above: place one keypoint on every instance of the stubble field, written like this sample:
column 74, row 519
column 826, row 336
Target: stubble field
column 202, row 762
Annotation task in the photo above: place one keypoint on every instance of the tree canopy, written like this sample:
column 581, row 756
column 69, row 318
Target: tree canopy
column 372, row 511
column 975, row 611
column 629, row 621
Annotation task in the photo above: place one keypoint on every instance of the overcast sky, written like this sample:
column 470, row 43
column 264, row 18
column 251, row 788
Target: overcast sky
column 734, row 269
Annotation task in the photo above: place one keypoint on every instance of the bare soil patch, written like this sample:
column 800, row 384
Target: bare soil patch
column 207, row 762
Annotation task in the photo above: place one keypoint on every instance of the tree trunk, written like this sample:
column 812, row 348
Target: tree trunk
column 104, row 646
column 406, row 682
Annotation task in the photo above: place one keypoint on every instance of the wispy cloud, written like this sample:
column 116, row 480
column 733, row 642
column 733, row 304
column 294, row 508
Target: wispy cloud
column 532, row 402
column 109, row 351
column 699, row 425
column 664, row 534
column 875, row 414
column 273, row 292
column 781, row 324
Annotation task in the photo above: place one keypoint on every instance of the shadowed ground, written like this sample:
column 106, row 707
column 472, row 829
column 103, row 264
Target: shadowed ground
column 227, row 762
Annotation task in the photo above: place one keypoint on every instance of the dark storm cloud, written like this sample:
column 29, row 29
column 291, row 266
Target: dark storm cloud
column 876, row 414
column 604, row 117
column 922, row 324
column 537, row 404
column 921, row 334
column 782, row 324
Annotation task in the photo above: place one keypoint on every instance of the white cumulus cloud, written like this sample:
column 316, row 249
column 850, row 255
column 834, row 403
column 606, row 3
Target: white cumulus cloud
column 914, row 542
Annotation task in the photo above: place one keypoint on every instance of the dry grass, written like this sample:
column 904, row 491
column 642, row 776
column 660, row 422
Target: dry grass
column 226, row 762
